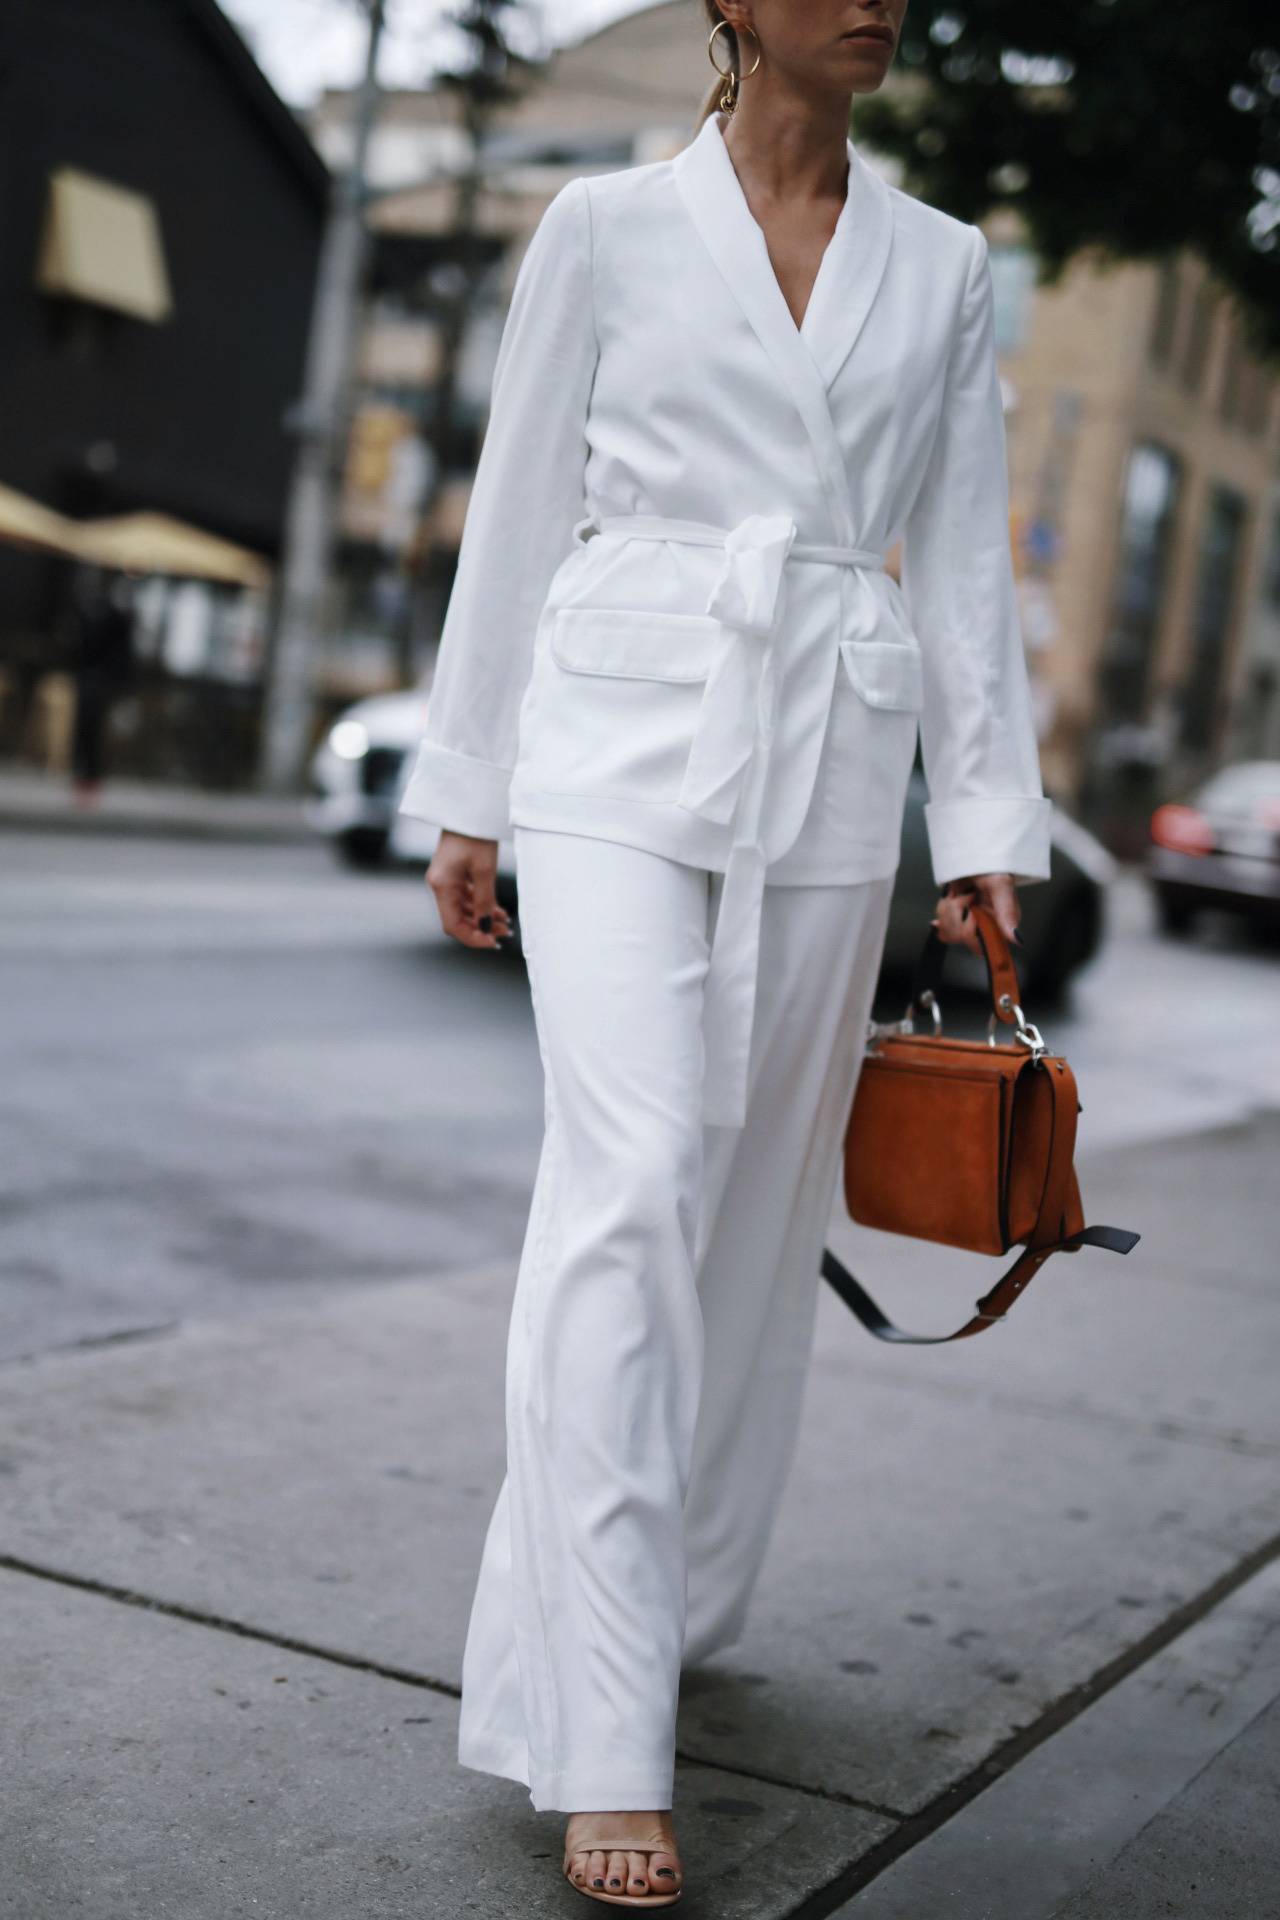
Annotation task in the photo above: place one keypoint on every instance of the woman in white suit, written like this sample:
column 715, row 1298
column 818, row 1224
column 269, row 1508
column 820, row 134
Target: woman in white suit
column 674, row 667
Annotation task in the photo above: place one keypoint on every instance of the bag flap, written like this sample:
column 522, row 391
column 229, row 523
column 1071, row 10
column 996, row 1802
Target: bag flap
column 935, row 1053
column 924, row 1154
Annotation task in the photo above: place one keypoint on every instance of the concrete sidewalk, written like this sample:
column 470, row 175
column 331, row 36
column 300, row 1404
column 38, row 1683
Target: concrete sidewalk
column 1017, row 1581
column 1159, row 1799
column 35, row 801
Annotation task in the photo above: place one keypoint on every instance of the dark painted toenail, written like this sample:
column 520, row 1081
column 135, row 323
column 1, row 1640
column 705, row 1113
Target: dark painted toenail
column 615, row 1883
column 665, row 1873
column 597, row 1883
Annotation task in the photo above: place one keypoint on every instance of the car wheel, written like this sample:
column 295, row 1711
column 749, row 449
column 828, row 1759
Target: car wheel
column 1175, row 915
column 363, row 847
column 1071, row 940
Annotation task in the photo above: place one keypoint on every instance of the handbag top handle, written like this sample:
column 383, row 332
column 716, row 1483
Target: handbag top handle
column 1002, row 976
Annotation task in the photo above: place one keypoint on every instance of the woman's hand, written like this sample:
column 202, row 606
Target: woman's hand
column 463, row 876
column 995, row 890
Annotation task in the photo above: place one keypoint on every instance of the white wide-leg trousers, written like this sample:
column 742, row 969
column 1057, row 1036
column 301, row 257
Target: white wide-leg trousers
column 663, row 1313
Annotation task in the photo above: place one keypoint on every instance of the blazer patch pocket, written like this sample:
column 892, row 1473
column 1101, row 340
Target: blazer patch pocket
column 613, row 703
column 885, row 673
column 633, row 644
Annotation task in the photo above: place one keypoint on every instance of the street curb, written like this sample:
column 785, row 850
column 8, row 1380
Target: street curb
column 158, row 827
column 839, row 1898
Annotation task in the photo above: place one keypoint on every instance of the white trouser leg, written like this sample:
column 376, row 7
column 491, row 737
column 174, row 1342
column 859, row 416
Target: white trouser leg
column 617, row 1440
column 605, row 1349
column 768, row 1192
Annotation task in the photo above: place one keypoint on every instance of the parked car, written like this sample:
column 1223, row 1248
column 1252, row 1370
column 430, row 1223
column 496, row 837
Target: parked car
column 1219, row 846
column 360, row 771
column 1062, row 922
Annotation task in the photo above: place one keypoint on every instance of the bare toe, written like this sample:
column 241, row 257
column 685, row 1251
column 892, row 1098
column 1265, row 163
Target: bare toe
column 665, row 1874
column 576, row 1868
column 596, row 1868
column 637, row 1876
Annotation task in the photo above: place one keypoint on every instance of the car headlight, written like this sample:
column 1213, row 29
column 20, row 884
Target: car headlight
column 349, row 739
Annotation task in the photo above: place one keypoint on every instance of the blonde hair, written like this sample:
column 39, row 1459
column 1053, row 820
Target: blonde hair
column 712, row 97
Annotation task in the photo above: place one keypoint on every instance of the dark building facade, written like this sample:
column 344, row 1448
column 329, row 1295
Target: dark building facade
column 193, row 185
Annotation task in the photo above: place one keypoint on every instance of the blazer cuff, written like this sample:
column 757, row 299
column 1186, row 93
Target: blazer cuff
column 989, row 834
column 457, row 793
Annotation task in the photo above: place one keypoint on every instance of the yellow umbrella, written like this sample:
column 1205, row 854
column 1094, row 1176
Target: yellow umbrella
column 153, row 543
column 27, row 524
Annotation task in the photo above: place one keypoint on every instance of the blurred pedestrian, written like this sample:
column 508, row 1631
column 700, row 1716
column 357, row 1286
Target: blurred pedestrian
column 103, row 667
column 696, row 708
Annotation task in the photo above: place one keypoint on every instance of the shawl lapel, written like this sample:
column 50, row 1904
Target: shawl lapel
column 851, row 271
column 807, row 359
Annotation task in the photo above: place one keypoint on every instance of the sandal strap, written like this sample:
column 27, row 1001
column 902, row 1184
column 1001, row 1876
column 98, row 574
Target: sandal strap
column 616, row 1846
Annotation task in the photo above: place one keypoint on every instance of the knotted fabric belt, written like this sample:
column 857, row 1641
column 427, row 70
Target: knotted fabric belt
column 728, row 763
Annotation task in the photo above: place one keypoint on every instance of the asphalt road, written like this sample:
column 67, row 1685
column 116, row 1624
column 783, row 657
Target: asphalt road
column 236, row 1075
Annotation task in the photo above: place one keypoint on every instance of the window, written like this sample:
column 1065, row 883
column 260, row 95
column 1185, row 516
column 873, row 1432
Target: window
column 1164, row 317
column 1254, row 413
column 1271, row 578
column 1244, row 400
column 1013, row 275
column 1220, row 544
column 1151, row 489
column 1246, row 790
column 1199, row 333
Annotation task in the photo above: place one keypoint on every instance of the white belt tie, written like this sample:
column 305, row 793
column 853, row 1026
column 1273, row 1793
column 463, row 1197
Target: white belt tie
column 728, row 762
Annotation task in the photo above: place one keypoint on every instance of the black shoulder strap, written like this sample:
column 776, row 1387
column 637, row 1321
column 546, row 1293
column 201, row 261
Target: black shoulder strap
column 993, row 1306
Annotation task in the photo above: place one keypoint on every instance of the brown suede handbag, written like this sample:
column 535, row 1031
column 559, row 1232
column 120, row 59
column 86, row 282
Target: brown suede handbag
column 966, row 1143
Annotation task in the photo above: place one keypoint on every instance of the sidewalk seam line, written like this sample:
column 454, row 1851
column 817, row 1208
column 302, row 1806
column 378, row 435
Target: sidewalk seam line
column 223, row 1623
column 829, row 1795
column 917, row 1827
column 288, row 1643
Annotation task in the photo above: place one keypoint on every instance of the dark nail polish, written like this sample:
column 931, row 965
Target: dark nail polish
column 485, row 923
column 615, row 1883
column 597, row 1883
column 665, row 1873
column 1018, row 937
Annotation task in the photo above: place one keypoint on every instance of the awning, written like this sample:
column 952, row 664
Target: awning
column 133, row 542
column 101, row 243
column 26, row 523
column 153, row 543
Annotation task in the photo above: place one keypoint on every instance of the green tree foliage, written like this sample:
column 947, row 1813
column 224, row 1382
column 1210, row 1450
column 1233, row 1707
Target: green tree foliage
column 1136, row 127
column 491, row 73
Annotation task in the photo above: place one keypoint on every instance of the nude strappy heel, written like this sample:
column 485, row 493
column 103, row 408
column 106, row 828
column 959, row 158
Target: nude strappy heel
column 619, row 1899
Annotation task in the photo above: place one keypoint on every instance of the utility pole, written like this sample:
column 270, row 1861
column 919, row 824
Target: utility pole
column 321, row 430
column 489, row 78
column 419, row 610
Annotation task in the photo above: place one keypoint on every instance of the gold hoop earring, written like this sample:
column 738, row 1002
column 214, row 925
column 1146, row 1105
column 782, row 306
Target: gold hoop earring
column 728, row 99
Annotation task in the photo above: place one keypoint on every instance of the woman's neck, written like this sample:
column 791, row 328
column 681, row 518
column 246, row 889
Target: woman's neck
column 788, row 149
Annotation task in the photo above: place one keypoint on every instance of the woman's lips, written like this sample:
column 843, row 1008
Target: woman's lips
column 869, row 33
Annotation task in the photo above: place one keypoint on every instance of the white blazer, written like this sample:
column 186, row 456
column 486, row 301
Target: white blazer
column 670, row 624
